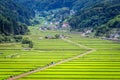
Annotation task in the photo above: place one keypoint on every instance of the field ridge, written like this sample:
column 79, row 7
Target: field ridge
column 90, row 50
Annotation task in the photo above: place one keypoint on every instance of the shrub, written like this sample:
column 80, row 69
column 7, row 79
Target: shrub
column 57, row 36
column 5, row 38
column 27, row 41
column 30, row 44
column 18, row 38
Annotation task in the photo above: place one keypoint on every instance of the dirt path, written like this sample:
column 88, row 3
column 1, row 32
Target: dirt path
column 79, row 45
column 52, row 65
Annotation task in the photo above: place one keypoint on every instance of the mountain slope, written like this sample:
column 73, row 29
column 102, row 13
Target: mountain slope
column 41, row 5
column 13, row 16
column 16, row 11
column 98, row 15
column 91, row 14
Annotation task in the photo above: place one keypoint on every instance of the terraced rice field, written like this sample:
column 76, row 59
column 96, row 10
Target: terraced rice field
column 26, row 61
column 15, row 60
column 95, row 66
column 103, row 64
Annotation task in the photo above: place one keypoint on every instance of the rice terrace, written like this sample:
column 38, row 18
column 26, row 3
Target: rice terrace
column 76, row 57
column 59, row 39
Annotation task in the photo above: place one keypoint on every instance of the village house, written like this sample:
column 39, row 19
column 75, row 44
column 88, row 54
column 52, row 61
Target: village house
column 65, row 25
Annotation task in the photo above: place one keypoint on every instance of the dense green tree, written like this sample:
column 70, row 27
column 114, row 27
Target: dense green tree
column 96, row 16
column 101, row 31
column 28, row 42
column 18, row 38
column 14, row 19
column 57, row 36
column 15, row 11
column 25, row 41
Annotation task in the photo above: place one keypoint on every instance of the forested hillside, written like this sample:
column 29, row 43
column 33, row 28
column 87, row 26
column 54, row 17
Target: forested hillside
column 42, row 5
column 96, row 15
column 91, row 14
column 101, row 18
column 14, row 18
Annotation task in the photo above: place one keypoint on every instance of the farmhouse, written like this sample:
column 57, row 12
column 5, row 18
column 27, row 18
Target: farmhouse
column 49, row 37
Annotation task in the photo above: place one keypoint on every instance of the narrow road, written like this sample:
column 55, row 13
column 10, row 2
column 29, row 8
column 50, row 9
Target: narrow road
column 52, row 65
